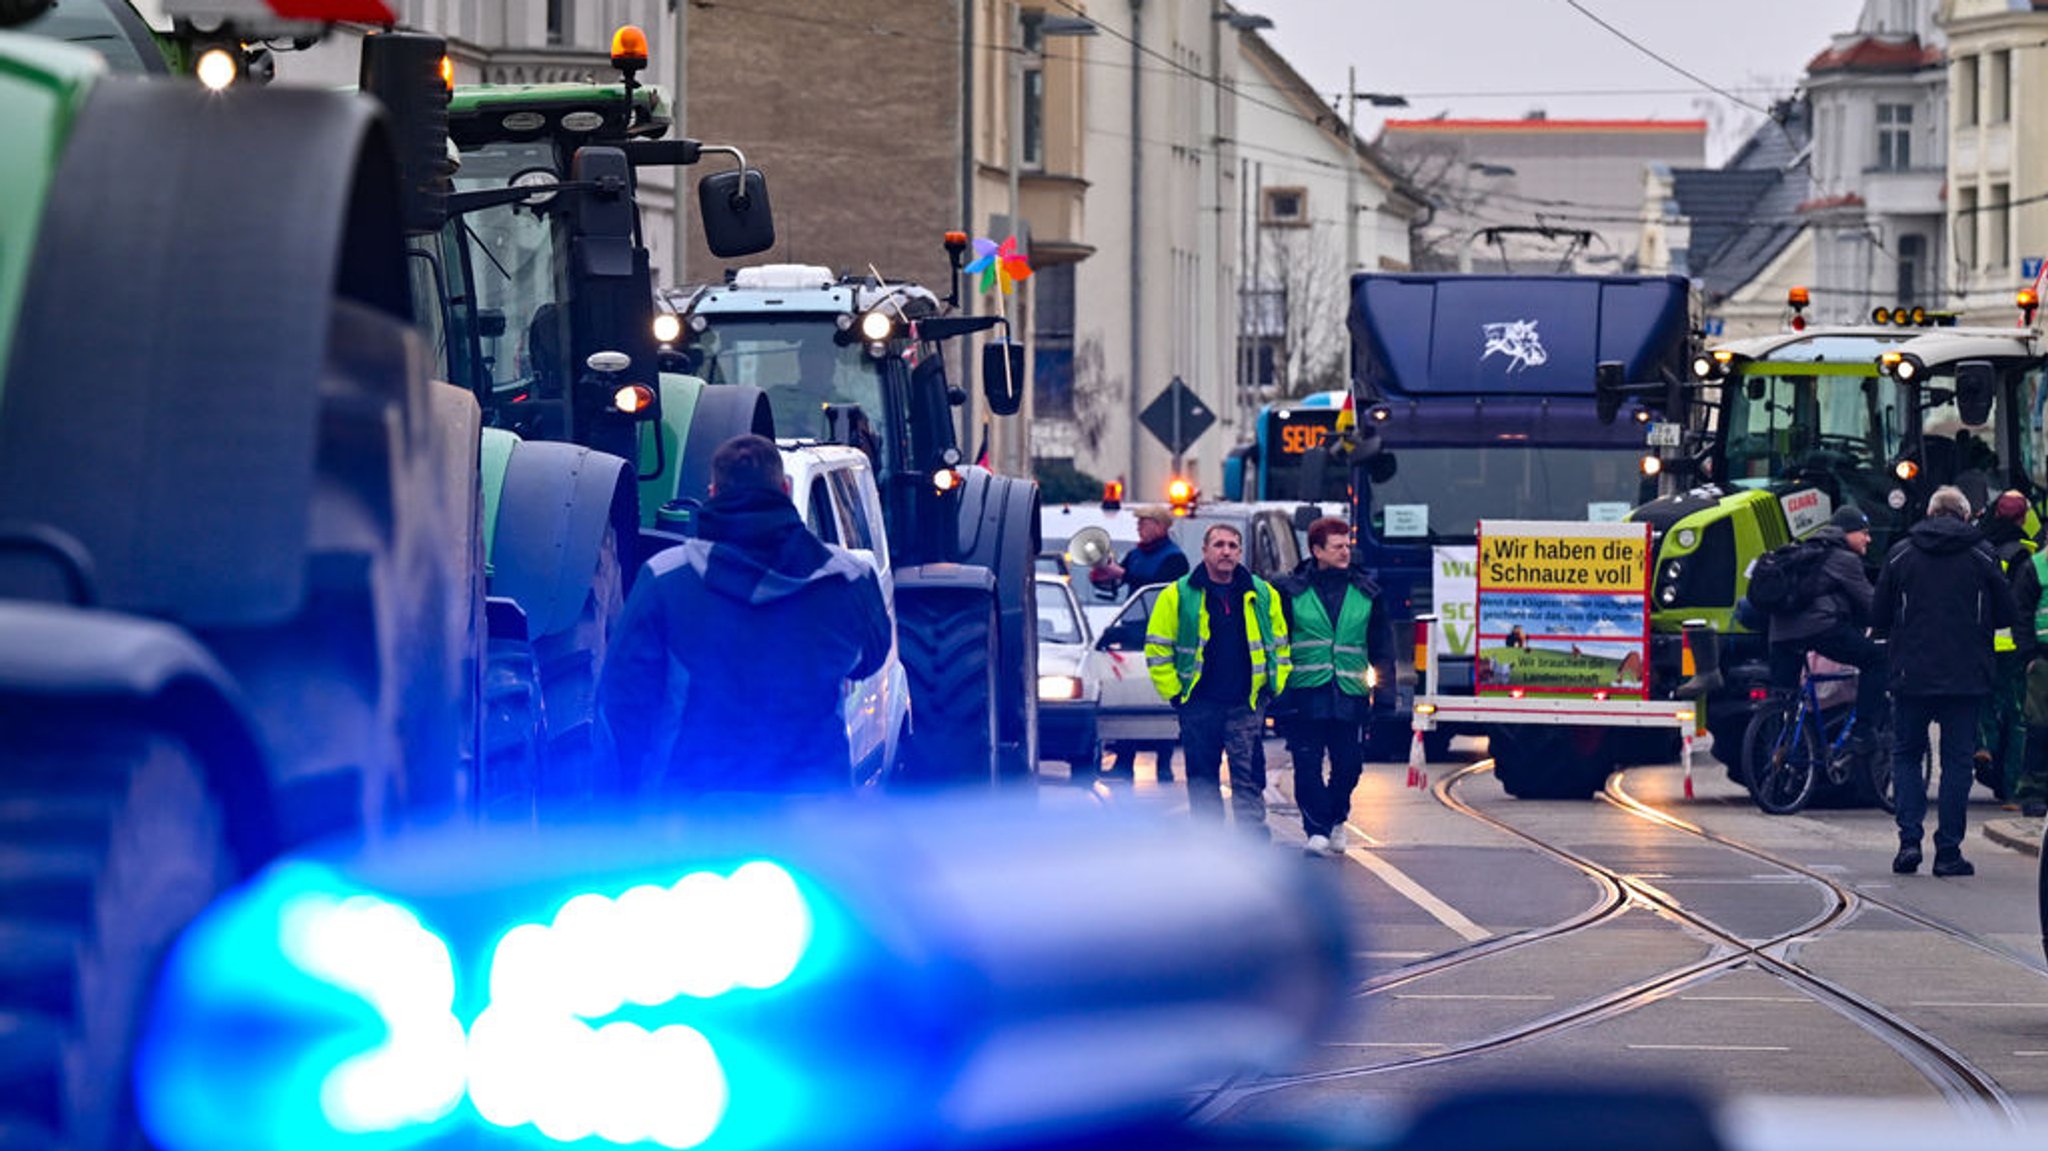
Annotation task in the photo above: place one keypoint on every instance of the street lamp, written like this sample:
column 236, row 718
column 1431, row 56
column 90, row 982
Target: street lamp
column 1018, row 434
column 1351, row 97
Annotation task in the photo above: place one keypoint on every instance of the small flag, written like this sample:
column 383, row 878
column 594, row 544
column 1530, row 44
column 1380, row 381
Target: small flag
column 1417, row 761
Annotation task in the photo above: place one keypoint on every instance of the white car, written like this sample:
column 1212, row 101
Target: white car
column 1069, row 687
column 1131, row 709
column 834, row 487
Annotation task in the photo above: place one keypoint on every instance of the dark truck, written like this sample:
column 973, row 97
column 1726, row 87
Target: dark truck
column 1474, row 397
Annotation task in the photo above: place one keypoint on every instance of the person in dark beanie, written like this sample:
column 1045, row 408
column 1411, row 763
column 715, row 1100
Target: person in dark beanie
column 728, row 668
column 1341, row 638
column 1833, row 622
column 1940, row 598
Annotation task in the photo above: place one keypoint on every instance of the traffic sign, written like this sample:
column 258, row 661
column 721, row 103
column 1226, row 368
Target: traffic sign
column 1177, row 416
column 2030, row 267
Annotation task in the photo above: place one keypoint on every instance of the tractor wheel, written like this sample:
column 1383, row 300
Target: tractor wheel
column 115, row 840
column 515, row 734
column 570, row 661
column 947, row 645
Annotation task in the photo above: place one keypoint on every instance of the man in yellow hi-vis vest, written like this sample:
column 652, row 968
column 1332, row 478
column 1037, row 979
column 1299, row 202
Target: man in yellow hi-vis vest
column 1216, row 647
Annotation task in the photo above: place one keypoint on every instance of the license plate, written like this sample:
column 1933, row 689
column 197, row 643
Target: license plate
column 1665, row 435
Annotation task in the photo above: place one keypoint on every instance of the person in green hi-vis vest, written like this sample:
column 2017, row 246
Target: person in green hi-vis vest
column 1343, row 646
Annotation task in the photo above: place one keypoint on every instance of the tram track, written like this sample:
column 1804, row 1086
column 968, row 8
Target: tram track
column 1965, row 1085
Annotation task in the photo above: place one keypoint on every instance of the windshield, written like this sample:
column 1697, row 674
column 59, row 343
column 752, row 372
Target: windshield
column 517, row 267
column 799, row 362
column 108, row 28
column 1975, row 459
column 1439, row 494
column 1058, row 622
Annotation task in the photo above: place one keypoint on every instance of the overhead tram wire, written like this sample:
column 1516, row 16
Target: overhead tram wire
column 1646, row 50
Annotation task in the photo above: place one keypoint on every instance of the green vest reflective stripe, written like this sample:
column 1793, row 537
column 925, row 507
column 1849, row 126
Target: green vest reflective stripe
column 1175, row 661
column 1318, row 652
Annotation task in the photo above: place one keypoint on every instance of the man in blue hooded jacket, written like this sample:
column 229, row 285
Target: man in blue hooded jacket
column 728, row 668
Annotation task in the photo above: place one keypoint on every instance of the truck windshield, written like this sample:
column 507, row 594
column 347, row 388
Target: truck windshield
column 1439, row 494
column 518, row 266
column 800, row 364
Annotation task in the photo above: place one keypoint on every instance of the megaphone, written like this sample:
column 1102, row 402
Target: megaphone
column 1089, row 547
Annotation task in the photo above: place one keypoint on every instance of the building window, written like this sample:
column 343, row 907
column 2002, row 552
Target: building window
column 1997, row 225
column 1966, row 227
column 1912, row 258
column 1894, row 137
column 1052, row 362
column 1998, row 87
column 1285, row 206
column 1033, row 146
column 1964, row 90
column 560, row 18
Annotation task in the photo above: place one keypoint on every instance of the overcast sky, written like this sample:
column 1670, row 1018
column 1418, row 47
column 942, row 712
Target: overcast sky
column 1502, row 58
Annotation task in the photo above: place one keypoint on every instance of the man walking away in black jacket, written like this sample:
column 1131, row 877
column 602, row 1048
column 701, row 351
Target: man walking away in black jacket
column 1832, row 624
column 729, row 666
column 1941, row 597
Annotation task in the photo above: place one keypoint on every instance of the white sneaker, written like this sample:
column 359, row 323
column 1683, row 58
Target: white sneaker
column 1340, row 841
column 1316, row 845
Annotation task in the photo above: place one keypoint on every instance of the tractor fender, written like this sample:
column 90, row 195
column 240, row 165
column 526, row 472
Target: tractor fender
column 191, row 486
column 54, row 655
column 552, row 505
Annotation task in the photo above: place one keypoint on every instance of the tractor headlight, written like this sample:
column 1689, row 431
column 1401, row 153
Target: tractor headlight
column 667, row 327
column 217, row 68
column 876, row 327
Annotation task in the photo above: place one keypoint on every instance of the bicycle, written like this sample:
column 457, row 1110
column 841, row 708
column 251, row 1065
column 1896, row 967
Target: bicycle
column 1793, row 747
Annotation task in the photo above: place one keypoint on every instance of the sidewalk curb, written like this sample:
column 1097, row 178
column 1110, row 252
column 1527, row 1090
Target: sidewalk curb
column 2021, row 834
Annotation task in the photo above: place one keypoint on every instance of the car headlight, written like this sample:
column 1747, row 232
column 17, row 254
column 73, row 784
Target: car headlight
column 1059, row 687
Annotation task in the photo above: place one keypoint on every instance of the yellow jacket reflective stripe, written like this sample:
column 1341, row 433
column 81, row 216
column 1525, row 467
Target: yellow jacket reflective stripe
column 1178, row 629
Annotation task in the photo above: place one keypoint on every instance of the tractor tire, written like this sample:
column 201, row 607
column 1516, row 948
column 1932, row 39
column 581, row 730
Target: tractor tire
column 115, row 840
column 515, row 734
column 569, row 662
column 947, row 644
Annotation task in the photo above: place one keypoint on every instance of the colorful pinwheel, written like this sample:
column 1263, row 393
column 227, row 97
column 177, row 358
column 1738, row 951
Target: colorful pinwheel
column 999, row 265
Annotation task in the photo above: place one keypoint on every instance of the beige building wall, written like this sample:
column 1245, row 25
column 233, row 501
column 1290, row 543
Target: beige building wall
column 1998, row 155
column 1156, row 300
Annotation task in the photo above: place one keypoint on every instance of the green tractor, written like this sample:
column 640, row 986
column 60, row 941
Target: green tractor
column 1773, row 433
column 859, row 360
column 546, row 315
column 241, row 598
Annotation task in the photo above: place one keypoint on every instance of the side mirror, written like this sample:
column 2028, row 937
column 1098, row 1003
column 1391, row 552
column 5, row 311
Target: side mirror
column 1304, row 515
column 1609, row 381
column 734, row 207
column 1753, row 388
column 1002, row 376
column 1976, row 386
column 1381, row 467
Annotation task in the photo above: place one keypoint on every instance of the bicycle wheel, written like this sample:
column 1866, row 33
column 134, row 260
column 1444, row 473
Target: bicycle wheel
column 1782, row 760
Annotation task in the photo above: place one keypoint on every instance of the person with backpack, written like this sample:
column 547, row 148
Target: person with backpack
column 1824, row 607
column 1939, row 597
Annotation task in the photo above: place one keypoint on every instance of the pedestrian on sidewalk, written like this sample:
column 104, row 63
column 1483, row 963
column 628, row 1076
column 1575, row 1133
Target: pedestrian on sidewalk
column 729, row 664
column 1341, row 640
column 1940, row 597
column 1216, row 648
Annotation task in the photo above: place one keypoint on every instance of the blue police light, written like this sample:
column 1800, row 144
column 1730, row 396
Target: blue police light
column 897, row 974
